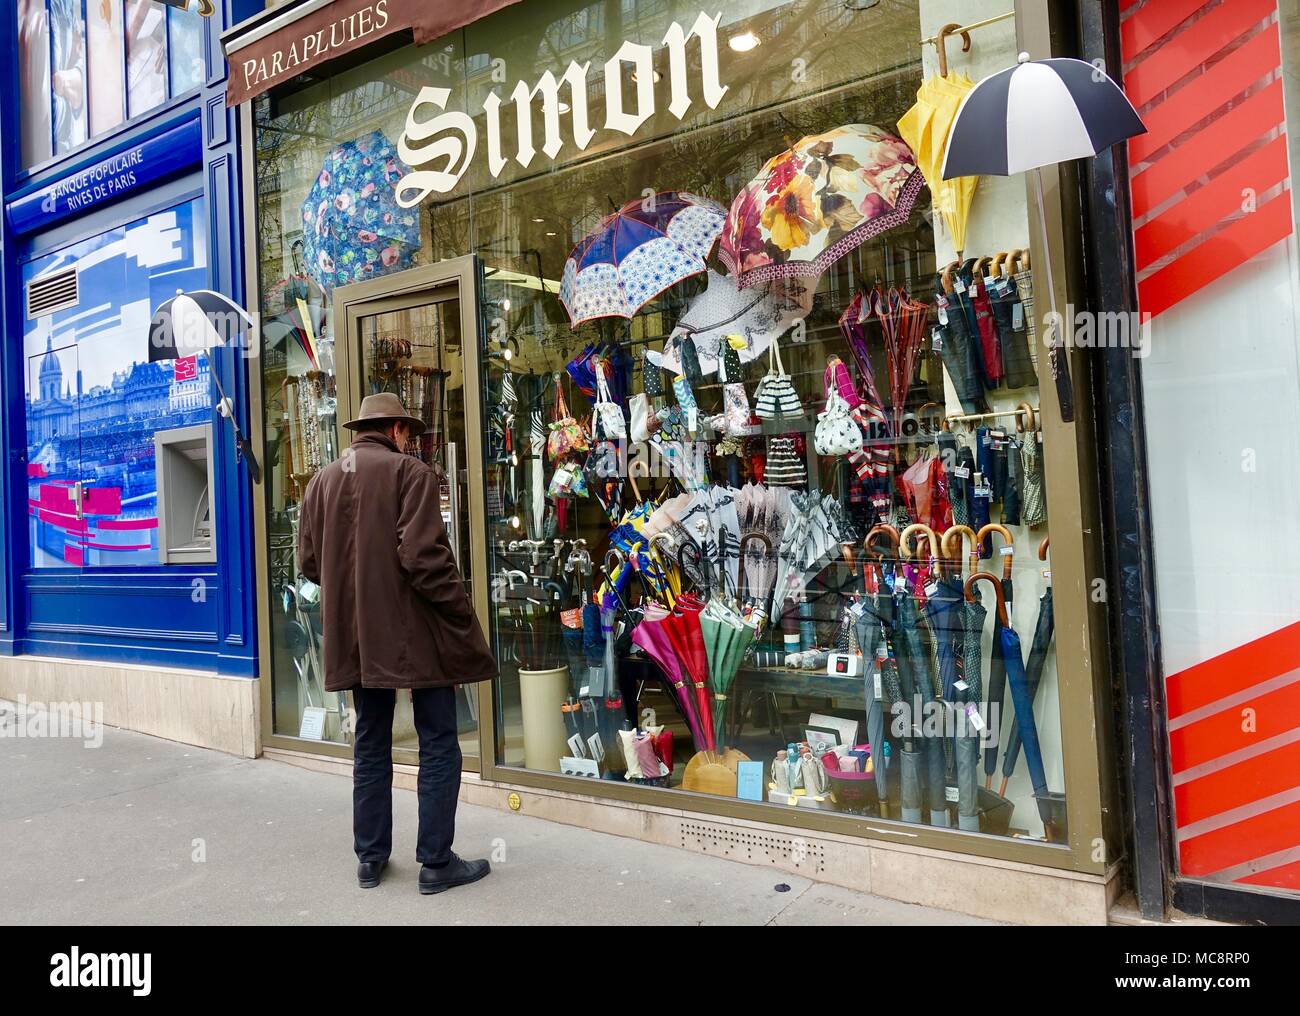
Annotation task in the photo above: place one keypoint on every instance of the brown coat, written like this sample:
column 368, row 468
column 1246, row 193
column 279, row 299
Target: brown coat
column 394, row 610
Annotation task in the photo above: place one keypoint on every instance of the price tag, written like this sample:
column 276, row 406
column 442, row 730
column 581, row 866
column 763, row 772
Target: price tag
column 990, row 282
column 983, row 490
column 950, row 795
column 931, row 588
column 1018, row 317
column 974, row 718
column 961, row 472
column 943, row 315
column 960, row 685
column 959, row 286
column 875, row 678
column 1007, row 551
column 692, row 419
column 937, row 338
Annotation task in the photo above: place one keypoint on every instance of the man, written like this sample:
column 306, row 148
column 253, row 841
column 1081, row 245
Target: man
column 395, row 615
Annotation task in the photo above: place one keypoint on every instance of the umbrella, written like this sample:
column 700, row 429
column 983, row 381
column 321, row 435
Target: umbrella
column 1036, row 114
column 687, row 637
column 813, row 203
column 760, row 315
column 197, row 322
column 969, row 689
column 1015, row 664
column 855, row 337
column 872, row 625
column 633, row 255
column 652, row 636
column 352, row 226
column 925, row 127
column 997, row 673
column 1043, row 631
column 902, row 321
column 726, row 638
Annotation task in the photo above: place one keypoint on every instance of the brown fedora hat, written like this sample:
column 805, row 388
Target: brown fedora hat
column 385, row 406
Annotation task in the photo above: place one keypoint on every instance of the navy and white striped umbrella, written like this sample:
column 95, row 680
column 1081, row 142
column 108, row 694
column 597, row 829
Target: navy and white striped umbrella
column 1036, row 114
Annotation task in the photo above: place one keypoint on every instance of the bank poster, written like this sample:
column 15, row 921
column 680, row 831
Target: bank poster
column 93, row 400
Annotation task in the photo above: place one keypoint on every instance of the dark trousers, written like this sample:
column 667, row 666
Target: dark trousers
column 438, row 784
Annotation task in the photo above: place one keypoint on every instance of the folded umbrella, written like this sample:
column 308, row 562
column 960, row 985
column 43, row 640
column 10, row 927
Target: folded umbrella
column 652, row 636
column 997, row 669
column 968, row 691
column 683, row 628
column 1015, row 666
column 1043, row 630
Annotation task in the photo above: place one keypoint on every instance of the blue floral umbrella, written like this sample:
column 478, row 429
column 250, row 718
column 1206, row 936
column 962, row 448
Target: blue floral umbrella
column 353, row 228
column 638, row 252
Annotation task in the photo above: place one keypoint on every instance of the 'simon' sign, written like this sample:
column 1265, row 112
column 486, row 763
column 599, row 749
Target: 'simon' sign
column 442, row 146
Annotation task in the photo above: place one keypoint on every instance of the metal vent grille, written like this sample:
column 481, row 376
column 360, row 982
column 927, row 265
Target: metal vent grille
column 792, row 853
column 52, row 292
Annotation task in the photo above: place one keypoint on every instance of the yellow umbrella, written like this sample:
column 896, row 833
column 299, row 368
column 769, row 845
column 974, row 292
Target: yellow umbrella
column 925, row 128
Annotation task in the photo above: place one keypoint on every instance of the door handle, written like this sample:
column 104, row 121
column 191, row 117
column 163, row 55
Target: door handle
column 78, row 493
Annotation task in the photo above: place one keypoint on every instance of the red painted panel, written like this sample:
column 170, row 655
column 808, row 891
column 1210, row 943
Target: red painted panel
column 1243, row 841
column 1153, row 21
column 1183, row 52
column 1209, row 205
column 1222, row 733
column 1252, row 780
column 1285, row 877
column 1198, row 99
column 1248, row 236
column 1233, row 671
column 1239, row 127
column 73, row 555
column 102, row 501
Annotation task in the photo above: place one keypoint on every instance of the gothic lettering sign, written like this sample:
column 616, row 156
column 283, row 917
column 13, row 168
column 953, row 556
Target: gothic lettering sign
column 440, row 144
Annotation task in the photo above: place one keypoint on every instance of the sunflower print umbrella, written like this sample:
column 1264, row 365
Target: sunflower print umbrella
column 815, row 202
column 352, row 227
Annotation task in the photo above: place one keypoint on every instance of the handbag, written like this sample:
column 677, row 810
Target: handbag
column 639, row 409
column 652, row 377
column 837, row 433
column 567, row 436
column 609, row 414
column 775, row 395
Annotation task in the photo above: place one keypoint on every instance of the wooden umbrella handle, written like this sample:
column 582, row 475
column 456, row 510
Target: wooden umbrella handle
column 1007, row 541
column 888, row 531
column 1042, row 548
column 952, row 545
column 983, row 576
column 905, row 540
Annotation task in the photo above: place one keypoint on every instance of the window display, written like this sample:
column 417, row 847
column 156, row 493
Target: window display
column 762, row 444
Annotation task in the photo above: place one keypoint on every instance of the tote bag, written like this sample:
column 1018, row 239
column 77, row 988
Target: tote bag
column 775, row 397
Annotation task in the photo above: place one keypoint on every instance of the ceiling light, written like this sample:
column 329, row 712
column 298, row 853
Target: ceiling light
column 538, row 218
column 505, row 304
column 654, row 76
column 563, row 107
column 550, row 232
column 743, row 42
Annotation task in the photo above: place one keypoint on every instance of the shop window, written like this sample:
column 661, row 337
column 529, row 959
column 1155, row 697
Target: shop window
column 93, row 402
column 87, row 65
column 935, row 349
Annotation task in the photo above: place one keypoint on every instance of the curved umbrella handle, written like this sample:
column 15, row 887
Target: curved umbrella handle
column 983, row 576
column 1042, row 548
column 1028, row 410
column 905, row 540
column 889, row 532
column 1007, row 544
column 952, row 546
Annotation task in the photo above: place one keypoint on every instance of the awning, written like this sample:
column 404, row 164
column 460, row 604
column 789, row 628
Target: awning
column 269, row 50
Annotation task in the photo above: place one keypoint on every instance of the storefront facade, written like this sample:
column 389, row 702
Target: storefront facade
column 1203, row 235
column 489, row 221
column 121, row 179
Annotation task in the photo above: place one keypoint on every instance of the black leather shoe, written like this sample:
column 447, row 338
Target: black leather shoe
column 458, row 872
column 369, row 873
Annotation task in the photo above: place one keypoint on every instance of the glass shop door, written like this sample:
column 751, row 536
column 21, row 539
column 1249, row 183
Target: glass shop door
column 415, row 334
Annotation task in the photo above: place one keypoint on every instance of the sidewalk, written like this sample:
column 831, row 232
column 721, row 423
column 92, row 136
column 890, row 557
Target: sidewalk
column 144, row 831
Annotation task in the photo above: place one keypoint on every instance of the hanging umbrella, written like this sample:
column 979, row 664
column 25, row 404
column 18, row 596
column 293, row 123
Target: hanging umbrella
column 997, row 670
column 815, row 202
column 902, row 321
column 1024, row 706
column 968, row 690
column 198, row 322
column 647, row 246
column 872, row 626
column 925, row 127
column 1036, row 114
column 1043, row 630
column 852, row 327
column 353, row 228
column 652, row 636
column 759, row 315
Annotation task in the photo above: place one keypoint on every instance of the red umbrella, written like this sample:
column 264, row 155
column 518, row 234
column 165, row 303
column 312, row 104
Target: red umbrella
column 655, row 639
column 687, row 637
column 902, row 321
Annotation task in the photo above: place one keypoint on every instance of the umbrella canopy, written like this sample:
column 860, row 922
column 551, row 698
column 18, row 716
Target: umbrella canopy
column 997, row 670
column 1036, row 114
column 1014, row 660
column 652, row 636
column 192, row 323
column 353, row 228
column 925, row 127
column 760, row 315
column 633, row 255
column 687, row 637
column 852, row 327
column 815, row 202
column 902, row 321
